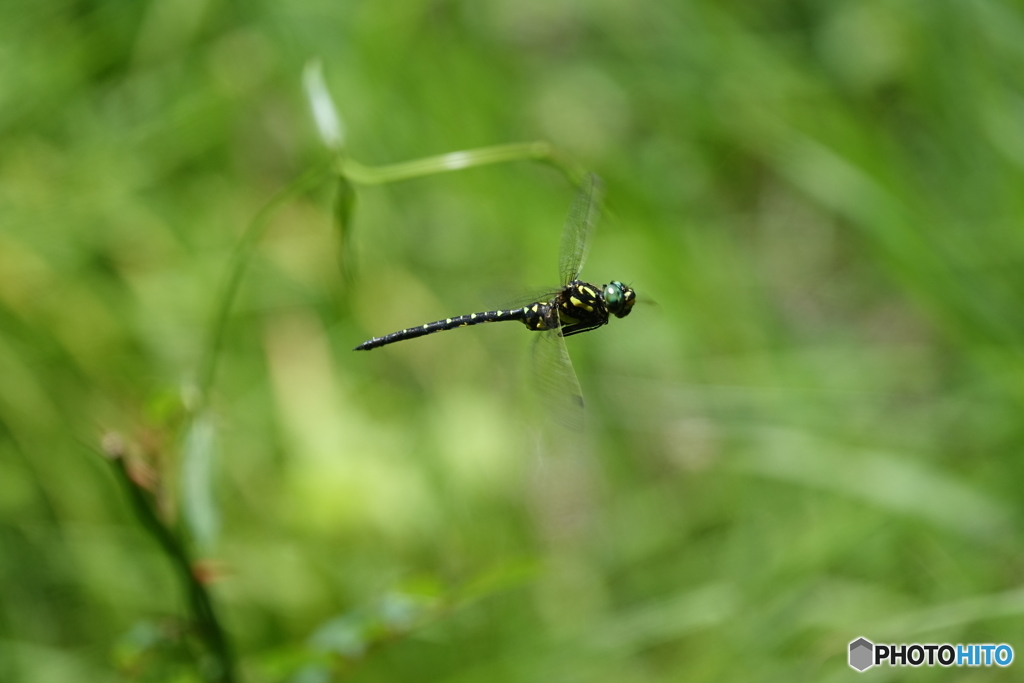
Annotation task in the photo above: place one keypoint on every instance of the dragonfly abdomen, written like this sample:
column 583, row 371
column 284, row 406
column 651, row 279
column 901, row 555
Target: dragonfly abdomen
column 446, row 324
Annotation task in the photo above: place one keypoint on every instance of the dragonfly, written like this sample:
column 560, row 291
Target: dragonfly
column 572, row 308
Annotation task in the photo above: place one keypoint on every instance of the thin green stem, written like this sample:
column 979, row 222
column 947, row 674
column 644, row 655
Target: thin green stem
column 456, row 161
column 207, row 624
column 239, row 261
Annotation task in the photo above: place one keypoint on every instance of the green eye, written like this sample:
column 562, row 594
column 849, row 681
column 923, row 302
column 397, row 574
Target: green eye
column 613, row 296
column 618, row 298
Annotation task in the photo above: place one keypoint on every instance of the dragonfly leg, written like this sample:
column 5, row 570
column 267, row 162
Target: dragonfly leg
column 576, row 328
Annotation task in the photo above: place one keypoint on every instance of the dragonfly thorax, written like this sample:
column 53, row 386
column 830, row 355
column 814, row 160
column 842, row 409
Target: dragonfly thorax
column 579, row 307
column 581, row 302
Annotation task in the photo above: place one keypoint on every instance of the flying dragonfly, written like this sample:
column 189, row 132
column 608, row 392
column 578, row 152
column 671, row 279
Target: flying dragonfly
column 574, row 307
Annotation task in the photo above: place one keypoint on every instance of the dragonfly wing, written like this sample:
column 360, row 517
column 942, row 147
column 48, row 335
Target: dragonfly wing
column 517, row 298
column 579, row 228
column 555, row 382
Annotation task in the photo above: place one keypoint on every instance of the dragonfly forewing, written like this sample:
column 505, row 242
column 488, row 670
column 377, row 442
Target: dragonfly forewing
column 579, row 228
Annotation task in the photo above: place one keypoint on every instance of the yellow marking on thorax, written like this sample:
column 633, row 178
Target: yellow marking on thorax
column 577, row 302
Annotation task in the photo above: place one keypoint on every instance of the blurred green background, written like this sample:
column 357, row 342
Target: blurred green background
column 814, row 435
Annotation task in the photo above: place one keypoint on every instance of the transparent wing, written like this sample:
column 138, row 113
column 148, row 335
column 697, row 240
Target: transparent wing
column 517, row 298
column 555, row 382
column 579, row 227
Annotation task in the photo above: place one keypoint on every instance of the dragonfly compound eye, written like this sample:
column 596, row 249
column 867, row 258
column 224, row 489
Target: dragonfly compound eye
column 619, row 298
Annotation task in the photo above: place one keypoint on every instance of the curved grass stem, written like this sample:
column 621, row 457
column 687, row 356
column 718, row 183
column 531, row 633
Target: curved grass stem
column 351, row 170
column 456, row 161
column 236, row 270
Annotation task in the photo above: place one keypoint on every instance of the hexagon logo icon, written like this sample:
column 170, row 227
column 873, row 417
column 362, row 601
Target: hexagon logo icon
column 861, row 651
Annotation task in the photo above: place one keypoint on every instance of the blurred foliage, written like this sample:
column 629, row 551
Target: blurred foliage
column 814, row 435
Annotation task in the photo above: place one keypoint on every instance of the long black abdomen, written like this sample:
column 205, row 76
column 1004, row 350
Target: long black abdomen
column 446, row 324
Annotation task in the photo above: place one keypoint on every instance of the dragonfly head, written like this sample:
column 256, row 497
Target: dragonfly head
column 619, row 298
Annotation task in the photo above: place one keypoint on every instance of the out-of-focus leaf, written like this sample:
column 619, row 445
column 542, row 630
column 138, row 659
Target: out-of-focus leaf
column 669, row 617
column 394, row 614
column 290, row 663
column 500, row 579
column 136, row 642
column 887, row 480
column 154, row 650
column 344, row 203
column 345, row 635
column 311, row 673
column 325, row 114
column 401, row 611
column 197, row 498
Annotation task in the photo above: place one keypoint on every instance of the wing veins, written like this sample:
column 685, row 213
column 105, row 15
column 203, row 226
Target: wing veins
column 579, row 228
